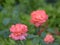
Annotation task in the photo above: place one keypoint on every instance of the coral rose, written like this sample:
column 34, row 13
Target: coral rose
column 38, row 17
column 18, row 31
column 18, row 28
column 49, row 38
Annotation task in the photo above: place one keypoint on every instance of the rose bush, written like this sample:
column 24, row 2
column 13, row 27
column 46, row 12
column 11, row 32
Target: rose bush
column 29, row 22
column 18, row 31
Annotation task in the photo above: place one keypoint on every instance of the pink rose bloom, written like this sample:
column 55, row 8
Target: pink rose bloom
column 18, row 31
column 38, row 17
column 49, row 38
column 19, row 28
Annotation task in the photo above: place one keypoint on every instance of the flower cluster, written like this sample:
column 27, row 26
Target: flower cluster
column 18, row 31
column 38, row 17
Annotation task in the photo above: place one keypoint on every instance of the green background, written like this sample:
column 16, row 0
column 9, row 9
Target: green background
column 18, row 11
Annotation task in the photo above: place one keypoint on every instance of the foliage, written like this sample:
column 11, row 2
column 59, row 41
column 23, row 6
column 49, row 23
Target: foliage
column 18, row 11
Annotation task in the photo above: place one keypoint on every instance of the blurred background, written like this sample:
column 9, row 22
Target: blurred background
column 18, row 11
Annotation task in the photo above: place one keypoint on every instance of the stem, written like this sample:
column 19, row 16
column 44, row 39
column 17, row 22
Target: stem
column 36, row 30
column 17, row 43
column 22, row 42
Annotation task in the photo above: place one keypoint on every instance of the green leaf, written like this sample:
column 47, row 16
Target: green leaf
column 6, row 21
column 4, row 33
column 42, row 42
column 55, row 43
column 43, row 34
column 30, row 36
column 29, row 42
column 35, row 41
column 51, row 30
column 10, row 1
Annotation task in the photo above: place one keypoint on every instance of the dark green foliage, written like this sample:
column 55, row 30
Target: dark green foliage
column 18, row 11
